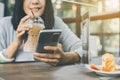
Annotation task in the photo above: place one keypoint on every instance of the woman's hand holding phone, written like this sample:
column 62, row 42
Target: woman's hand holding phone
column 53, row 59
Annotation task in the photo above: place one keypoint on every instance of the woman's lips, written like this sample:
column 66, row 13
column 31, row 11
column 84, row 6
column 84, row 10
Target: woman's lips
column 35, row 8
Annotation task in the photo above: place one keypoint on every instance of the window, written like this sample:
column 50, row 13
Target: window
column 108, row 30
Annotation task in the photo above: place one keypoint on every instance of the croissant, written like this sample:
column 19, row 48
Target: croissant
column 108, row 63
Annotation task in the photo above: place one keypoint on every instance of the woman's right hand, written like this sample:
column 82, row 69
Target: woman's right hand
column 22, row 28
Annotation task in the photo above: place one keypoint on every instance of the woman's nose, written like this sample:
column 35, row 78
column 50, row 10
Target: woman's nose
column 35, row 2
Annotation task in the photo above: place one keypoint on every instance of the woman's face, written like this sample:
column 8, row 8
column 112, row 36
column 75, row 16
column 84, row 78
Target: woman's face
column 35, row 6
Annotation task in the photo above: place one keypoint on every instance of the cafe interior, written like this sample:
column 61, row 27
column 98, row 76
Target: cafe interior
column 104, row 22
column 104, row 19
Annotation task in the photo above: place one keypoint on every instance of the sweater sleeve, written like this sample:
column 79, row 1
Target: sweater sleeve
column 3, row 58
column 70, row 42
column 3, row 43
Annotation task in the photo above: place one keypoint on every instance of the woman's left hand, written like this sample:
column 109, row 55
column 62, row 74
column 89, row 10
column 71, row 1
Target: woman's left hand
column 52, row 59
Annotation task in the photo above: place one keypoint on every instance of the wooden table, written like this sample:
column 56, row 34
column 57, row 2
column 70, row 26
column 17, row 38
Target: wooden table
column 43, row 71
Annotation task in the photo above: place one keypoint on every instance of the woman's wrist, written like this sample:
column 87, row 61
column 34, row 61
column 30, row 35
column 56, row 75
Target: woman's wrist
column 70, row 58
column 10, row 51
column 17, row 42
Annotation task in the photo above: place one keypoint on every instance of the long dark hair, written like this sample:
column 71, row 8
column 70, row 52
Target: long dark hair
column 47, row 16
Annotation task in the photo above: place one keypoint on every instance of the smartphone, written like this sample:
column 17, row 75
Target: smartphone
column 47, row 38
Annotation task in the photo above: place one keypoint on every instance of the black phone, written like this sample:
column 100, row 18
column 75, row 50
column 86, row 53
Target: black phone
column 47, row 38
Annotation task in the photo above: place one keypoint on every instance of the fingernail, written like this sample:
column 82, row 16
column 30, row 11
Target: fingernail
column 45, row 47
column 23, row 31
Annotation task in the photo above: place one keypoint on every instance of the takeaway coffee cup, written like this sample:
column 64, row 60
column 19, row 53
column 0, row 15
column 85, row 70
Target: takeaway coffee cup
column 37, row 25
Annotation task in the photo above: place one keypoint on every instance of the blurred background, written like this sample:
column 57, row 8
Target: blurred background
column 104, row 19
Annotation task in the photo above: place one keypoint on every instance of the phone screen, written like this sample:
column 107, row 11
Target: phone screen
column 47, row 38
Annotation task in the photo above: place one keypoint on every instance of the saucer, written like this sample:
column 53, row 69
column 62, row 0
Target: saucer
column 103, row 73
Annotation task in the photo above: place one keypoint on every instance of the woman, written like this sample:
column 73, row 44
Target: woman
column 13, row 28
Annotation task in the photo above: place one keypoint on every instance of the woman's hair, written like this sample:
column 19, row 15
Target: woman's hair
column 47, row 16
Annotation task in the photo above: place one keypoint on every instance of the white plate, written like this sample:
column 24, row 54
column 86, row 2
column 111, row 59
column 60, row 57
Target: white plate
column 103, row 73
